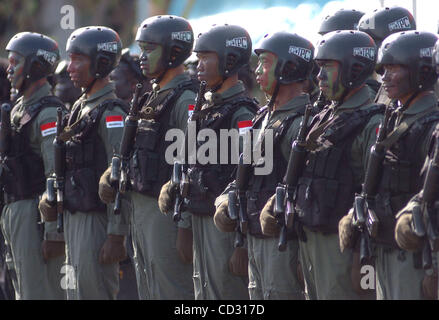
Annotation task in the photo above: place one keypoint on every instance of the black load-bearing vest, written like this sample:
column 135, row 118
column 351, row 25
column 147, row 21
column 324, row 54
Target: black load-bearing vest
column 326, row 188
column 86, row 159
column 207, row 181
column 148, row 167
column 23, row 170
column 401, row 178
column 262, row 187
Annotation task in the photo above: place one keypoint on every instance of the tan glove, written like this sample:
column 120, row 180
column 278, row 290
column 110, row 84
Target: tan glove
column 404, row 235
column 222, row 220
column 429, row 286
column 52, row 249
column 113, row 250
column 184, row 245
column 346, row 231
column 166, row 198
column 106, row 191
column 48, row 212
column 238, row 263
column 268, row 221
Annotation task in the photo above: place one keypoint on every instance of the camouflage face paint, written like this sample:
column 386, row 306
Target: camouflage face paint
column 15, row 70
column 330, row 79
column 265, row 72
column 151, row 59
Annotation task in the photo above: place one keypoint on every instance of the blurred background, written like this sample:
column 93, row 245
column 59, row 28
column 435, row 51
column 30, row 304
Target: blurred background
column 58, row 18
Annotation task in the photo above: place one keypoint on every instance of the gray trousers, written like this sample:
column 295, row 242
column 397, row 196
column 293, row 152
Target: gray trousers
column 212, row 252
column 159, row 271
column 396, row 277
column 87, row 279
column 272, row 273
column 327, row 271
column 32, row 277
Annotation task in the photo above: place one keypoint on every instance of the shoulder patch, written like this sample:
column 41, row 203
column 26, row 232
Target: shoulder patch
column 48, row 128
column 244, row 126
column 114, row 121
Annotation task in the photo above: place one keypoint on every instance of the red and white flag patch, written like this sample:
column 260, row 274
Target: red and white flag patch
column 114, row 121
column 190, row 110
column 48, row 129
column 244, row 126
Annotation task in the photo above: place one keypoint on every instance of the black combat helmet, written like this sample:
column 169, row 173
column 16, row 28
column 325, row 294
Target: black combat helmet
column 413, row 49
column 354, row 50
column 41, row 54
column 436, row 57
column 101, row 44
column 173, row 33
column 231, row 43
column 343, row 19
column 382, row 22
column 294, row 53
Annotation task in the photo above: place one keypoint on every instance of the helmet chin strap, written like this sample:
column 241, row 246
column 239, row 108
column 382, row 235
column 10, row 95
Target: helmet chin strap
column 89, row 87
column 273, row 98
column 342, row 98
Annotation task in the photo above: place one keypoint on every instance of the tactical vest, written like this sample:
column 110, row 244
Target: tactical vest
column 23, row 169
column 262, row 187
column 206, row 182
column 326, row 188
column 86, row 159
column 401, row 178
column 149, row 170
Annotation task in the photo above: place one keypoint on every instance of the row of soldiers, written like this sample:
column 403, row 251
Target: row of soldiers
column 345, row 189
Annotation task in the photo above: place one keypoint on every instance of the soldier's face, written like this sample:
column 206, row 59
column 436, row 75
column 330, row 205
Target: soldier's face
column 79, row 70
column 396, row 81
column 65, row 90
column 124, row 81
column 151, row 59
column 207, row 68
column 265, row 72
column 330, row 79
column 15, row 69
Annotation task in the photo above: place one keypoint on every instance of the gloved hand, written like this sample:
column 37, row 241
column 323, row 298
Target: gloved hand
column 346, row 231
column 166, row 198
column 184, row 245
column 52, row 249
column 404, row 235
column 221, row 218
column 113, row 250
column 429, row 286
column 238, row 263
column 268, row 222
column 106, row 192
column 48, row 212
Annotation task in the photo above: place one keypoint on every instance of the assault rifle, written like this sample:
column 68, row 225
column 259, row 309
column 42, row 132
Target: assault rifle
column 424, row 221
column 284, row 208
column 180, row 179
column 120, row 161
column 365, row 218
column 238, row 201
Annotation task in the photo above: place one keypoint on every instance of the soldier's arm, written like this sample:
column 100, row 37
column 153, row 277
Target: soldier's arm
column 289, row 137
column 178, row 120
column 110, row 131
column 43, row 135
column 361, row 148
column 179, row 115
column 242, row 114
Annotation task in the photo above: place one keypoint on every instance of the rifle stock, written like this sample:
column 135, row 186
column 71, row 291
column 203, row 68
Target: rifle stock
column 60, row 159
